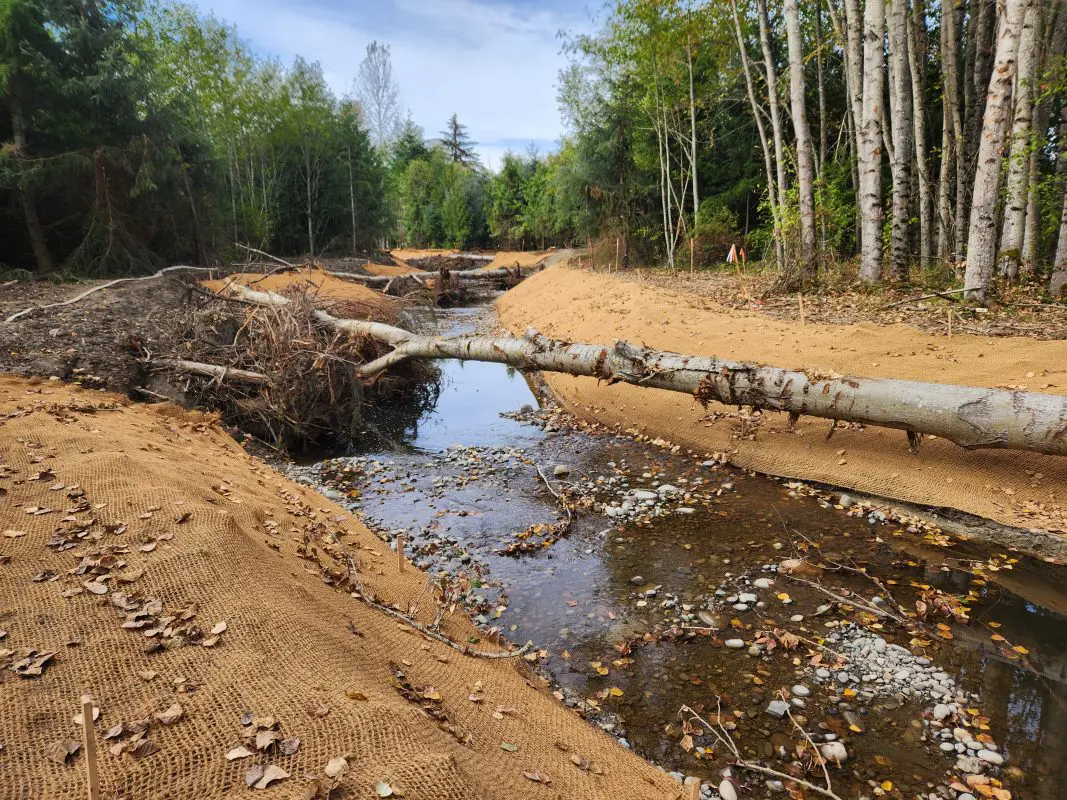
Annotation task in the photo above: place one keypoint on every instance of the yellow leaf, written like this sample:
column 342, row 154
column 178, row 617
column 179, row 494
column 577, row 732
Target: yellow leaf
column 996, row 637
column 887, row 786
column 849, row 692
column 1020, row 649
column 757, row 680
column 601, row 670
column 993, row 624
column 615, row 691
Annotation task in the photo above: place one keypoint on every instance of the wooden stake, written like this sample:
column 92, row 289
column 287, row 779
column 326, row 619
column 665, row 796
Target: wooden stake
column 691, row 255
column 89, row 743
column 950, row 315
column 400, row 551
column 800, row 302
column 617, row 245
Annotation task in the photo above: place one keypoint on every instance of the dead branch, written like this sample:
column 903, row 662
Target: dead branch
column 102, row 286
column 880, row 612
column 215, row 371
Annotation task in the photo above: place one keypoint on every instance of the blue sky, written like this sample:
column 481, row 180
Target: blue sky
column 493, row 62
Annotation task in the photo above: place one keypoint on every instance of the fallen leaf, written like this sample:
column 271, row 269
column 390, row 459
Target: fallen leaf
column 148, row 674
column 142, row 749
column 537, row 777
column 1020, row 649
column 11, row 534
column 62, row 750
column 354, row 695
column 383, row 789
column 289, row 746
column 686, row 743
column 238, row 752
column 255, row 772
column 511, row 748
column 335, row 766
column 266, row 738
column 171, row 715
column 219, row 628
column 271, row 774
column 78, row 716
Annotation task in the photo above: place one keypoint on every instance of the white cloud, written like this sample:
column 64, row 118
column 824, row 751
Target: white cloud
column 494, row 64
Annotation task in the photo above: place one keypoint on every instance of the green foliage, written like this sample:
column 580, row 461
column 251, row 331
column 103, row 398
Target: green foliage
column 153, row 135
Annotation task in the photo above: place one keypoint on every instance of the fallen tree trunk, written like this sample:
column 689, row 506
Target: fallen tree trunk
column 463, row 275
column 972, row 417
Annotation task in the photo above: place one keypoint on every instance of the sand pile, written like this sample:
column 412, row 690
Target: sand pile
column 204, row 601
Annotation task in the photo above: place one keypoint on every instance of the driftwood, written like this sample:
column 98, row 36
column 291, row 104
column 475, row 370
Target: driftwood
column 972, row 417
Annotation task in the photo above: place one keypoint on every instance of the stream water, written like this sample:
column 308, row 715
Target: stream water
column 635, row 616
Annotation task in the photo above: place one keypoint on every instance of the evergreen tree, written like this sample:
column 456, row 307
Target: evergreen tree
column 457, row 143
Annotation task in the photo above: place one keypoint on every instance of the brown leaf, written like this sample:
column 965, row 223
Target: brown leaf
column 219, row 628
column 143, row 749
column 255, row 772
column 238, row 752
column 62, row 750
column 171, row 715
column 537, row 777
column 266, row 738
column 289, row 746
column 271, row 774
column 335, row 766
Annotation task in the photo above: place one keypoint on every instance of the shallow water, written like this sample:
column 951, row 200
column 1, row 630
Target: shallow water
column 578, row 600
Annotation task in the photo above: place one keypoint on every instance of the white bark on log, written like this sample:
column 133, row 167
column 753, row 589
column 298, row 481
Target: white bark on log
column 982, row 239
column 972, row 417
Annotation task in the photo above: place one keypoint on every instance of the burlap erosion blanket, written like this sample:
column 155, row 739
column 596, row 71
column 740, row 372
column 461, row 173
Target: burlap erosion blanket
column 186, row 587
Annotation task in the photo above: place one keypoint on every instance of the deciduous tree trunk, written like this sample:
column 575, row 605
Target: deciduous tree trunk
column 775, row 104
column 768, row 162
column 805, row 155
column 982, row 241
column 916, row 66
column 1022, row 133
column 870, row 152
column 901, row 156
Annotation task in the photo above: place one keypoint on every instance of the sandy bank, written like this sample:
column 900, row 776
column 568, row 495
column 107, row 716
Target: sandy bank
column 156, row 504
column 1020, row 489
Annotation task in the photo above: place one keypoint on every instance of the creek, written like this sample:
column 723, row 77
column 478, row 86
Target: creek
column 637, row 610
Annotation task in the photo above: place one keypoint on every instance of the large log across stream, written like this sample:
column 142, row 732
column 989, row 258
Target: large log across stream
column 972, row 417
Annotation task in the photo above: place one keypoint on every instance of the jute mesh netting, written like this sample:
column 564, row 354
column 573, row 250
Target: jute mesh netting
column 163, row 525
column 1015, row 488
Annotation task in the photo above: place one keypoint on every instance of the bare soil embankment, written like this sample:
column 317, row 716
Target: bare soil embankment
column 1018, row 489
column 131, row 532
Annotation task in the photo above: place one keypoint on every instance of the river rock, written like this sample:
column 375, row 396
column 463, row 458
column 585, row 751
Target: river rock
column 727, row 791
column 800, row 691
column 637, row 580
column 561, row 471
column 763, row 583
column 990, row 757
column 735, row 644
column 777, row 708
column 834, row 751
column 747, row 597
column 666, row 489
column 942, row 712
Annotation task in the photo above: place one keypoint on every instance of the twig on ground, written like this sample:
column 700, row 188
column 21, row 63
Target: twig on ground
column 723, row 736
column 880, row 612
column 947, row 295
column 392, row 612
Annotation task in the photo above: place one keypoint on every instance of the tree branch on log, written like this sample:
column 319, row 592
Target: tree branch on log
column 972, row 417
